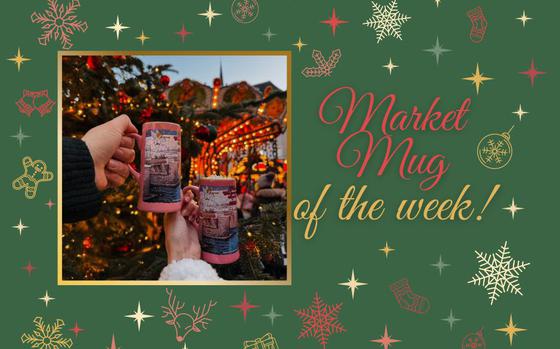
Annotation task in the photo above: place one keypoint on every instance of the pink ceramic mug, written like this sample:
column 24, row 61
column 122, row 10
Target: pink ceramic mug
column 160, row 167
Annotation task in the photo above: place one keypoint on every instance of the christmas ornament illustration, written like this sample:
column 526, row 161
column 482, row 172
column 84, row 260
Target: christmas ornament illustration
column 34, row 173
column 186, row 322
column 474, row 341
column 386, row 20
column 59, row 23
column 46, row 336
column 409, row 300
column 324, row 67
column 320, row 320
column 478, row 24
column 35, row 100
column 498, row 273
column 494, row 151
column 245, row 11
column 265, row 342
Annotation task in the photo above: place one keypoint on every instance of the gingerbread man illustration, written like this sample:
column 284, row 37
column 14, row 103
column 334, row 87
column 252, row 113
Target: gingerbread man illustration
column 34, row 173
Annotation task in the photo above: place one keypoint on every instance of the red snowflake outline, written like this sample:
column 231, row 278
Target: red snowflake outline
column 59, row 23
column 320, row 320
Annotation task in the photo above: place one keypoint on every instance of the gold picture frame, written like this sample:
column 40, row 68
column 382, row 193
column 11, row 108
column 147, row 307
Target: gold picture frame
column 62, row 282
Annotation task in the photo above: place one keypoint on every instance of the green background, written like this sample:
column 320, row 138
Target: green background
column 339, row 247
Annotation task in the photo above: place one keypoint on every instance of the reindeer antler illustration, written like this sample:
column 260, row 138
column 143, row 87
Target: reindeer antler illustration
column 195, row 320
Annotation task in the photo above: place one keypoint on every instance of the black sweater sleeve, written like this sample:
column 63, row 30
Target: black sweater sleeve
column 80, row 197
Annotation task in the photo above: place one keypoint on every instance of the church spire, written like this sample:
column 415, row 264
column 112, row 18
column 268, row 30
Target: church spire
column 221, row 72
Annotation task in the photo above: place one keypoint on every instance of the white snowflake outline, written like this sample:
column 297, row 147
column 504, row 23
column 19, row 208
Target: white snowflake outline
column 63, row 30
column 386, row 20
column 498, row 273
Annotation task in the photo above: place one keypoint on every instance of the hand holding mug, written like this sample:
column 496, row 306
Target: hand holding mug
column 181, row 231
column 111, row 150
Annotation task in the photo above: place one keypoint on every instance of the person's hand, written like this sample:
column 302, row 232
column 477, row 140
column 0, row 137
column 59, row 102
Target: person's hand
column 111, row 151
column 181, row 231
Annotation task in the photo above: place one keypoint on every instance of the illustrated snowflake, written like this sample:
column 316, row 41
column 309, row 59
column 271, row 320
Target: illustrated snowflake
column 494, row 151
column 46, row 336
column 320, row 320
column 386, row 20
column 498, row 273
column 59, row 23
column 245, row 11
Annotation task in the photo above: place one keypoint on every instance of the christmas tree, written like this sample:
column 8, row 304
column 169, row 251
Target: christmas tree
column 226, row 130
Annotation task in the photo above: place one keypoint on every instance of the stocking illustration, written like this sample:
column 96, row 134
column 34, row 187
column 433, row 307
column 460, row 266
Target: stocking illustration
column 478, row 24
column 409, row 300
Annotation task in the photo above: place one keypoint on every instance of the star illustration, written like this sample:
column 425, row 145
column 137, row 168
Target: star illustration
column 29, row 268
column 299, row 44
column 46, row 298
column 440, row 265
column 520, row 112
column 76, row 329
column 113, row 343
column 117, row 27
column 272, row 315
column 524, row 18
column 183, row 33
column 532, row 73
column 20, row 227
column 437, row 2
column 390, row 66
column 511, row 329
column 386, row 250
column 352, row 284
column 437, row 50
column 209, row 14
column 142, row 37
column 49, row 204
column 245, row 306
column 268, row 34
column 513, row 208
column 478, row 79
column 334, row 21
column 19, row 59
column 20, row 136
column 451, row 319
column 139, row 316
column 385, row 340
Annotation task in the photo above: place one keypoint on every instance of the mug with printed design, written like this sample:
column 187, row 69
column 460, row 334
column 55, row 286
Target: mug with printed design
column 159, row 176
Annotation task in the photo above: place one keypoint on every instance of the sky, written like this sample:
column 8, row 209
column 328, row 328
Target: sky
column 253, row 69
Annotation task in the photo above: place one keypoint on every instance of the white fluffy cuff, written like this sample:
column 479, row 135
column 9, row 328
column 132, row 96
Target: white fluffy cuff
column 189, row 270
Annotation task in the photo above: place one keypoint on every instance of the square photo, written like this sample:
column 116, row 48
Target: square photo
column 175, row 168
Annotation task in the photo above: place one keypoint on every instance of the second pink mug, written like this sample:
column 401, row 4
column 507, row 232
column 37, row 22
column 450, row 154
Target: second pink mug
column 159, row 177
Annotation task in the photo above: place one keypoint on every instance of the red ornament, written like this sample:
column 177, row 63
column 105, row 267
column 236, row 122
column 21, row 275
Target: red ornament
column 146, row 114
column 165, row 80
column 87, row 243
column 206, row 133
column 162, row 97
column 250, row 245
column 217, row 82
column 93, row 62
column 123, row 248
